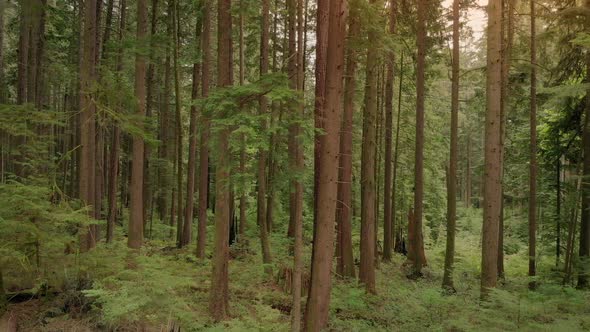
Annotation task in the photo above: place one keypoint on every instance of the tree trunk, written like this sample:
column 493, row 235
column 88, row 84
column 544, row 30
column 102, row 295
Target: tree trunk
column 452, row 170
column 533, row 153
column 219, row 297
column 87, row 117
column 585, row 224
column 192, row 135
column 318, row 300
column 368, row 189
column 419, row 158
column 204, row 141
column 261, row 172
column 345, row 266
column 387, row 191
column 179, row 149
column 397, row 231
column 135, row 235
column 492, row 163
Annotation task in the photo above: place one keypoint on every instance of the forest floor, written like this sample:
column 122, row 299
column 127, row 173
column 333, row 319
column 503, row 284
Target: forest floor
column 168, row 288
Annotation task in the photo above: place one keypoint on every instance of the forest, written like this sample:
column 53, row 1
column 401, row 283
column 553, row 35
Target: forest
column 294, row 165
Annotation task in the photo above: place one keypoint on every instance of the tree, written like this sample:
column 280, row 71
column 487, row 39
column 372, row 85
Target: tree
column 344, row 253
column 192, row 149
column 368, row 168
column 452, row 171
column 492, row 156
column 387, row 192
column 218, row 296
column 585, row 224
column 87, row 117
column 318, row 300
column 135, row 235
column 419, row 157
column 204, row 141
column 533, row 152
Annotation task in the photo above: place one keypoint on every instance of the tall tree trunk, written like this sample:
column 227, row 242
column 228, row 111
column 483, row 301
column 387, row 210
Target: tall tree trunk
column 585, row 225
column 219, row 297
column 419, row 158
column 192, row 138
column 3, row 89
column 452, row 173
column 368, row 189
column 558, row 210
column 87, row 117
column 204, row 141
column 135, row 235
column 261, row 212
column 116, row 141
column 492, row 163
column 397, row 230
column 345, row 266
column 318, row 300
column 299, row 166
column 533, row 152
column 387, row 191
column 242, row 59
column 178, row 109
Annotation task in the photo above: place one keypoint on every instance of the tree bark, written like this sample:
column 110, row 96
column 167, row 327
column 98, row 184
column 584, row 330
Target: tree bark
column 419, row 158
column 318, row 300
column 397, row 231
column 452, row 170
column 87, row 118
column 135, row 235
column 368, row 167
column 179, row 134
column 204, row 141
column 585, row 224
column 533, row 152
column 492, row 162
column 345, row 266
column 219, row 297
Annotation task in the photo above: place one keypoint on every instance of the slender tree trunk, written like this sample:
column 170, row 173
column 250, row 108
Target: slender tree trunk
column 345, row 266
column 3, row 89
column 585, row 224
column 558, row 210
column 261, row 172
column 204, row 141
column 452, row 170
column 219, row 297
column 533, row 153
column 135, row 235
column 192, row 138
column 318, row 300
column 492, row 163
column 243, row 198
column 397, row 230
column 419, row 158
column 368, row 189
column 299, row 166
column 179, row 134
column 87, row 117
column 387, row 192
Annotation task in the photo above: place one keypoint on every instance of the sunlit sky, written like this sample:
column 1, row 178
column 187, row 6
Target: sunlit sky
column 476, row 16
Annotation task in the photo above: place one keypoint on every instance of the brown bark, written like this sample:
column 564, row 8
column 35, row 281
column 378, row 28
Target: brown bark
column 261, row 213
column 135, row 234
column 219, row 297
column 116, row 141
column 533, row 152
column 3, row 90
column 179, row 134
column 452, row 170
column 87, row 118
column 192, row 145
column 345, row 266
column 397, row 231
column 387, row 191
column 419, row 157
column 299, row 166
column 368, row 189
column 318, row 300
column 204, row 141
column 492, row 163
column 585, row 223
